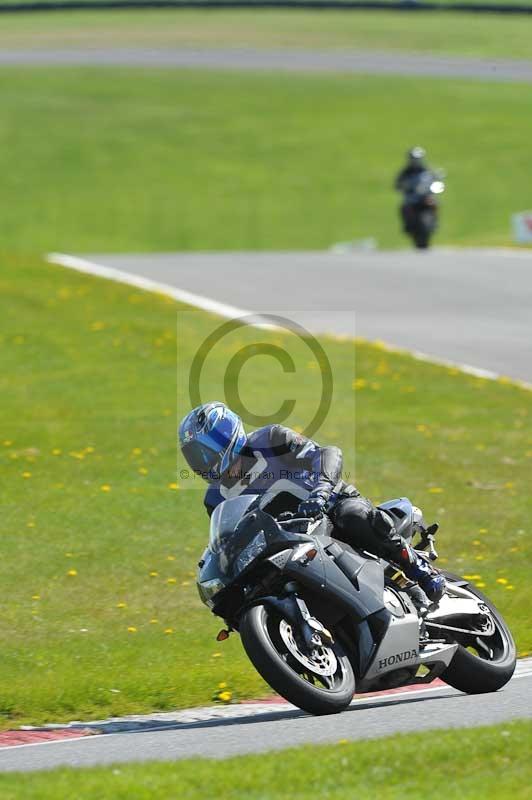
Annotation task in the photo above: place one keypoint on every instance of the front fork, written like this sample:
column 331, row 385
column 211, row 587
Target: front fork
column 308, row 631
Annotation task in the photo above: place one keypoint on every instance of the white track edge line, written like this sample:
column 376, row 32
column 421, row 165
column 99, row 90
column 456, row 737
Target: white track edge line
column 232, row 312
column 199, row 722
column 384, row 700
column 120, row 276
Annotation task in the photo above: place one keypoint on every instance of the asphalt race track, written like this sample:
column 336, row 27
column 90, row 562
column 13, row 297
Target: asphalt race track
column 469, row 306
column 241, row 732
column 284, row 60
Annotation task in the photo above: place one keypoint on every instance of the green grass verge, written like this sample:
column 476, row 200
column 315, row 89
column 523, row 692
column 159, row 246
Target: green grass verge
column 486, row 762
column 99, row 612
column 124, row 160
column 302, row 11
column 464, row 34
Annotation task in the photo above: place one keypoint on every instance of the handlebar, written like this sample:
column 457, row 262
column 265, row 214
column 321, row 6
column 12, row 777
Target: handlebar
column 292, row 520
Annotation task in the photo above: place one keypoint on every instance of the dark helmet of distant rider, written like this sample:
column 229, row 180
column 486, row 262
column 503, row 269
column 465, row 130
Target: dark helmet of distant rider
column 211, row 438
column 416, row 156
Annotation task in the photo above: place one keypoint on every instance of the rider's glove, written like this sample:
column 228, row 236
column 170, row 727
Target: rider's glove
column 314, row 505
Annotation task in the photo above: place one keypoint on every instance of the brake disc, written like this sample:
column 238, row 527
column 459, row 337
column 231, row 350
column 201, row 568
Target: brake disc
column 321, row 660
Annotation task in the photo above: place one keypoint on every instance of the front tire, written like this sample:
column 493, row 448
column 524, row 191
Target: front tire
column 265, row 634
column 483, row 671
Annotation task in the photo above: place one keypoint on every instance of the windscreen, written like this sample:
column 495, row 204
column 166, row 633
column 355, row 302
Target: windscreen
column 226, row 517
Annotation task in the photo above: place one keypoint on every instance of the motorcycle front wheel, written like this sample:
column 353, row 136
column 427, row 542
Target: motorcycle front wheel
column 485, row 661
column 320, row 682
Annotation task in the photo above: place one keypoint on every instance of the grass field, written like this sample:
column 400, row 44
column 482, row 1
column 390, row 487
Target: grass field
column 99, row 612
column 464, row 34
column 131, row 160
column 484, row 762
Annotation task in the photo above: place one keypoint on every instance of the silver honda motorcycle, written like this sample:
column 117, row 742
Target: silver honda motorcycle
column 321, row 621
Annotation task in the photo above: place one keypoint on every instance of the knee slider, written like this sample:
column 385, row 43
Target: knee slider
column 382, row 524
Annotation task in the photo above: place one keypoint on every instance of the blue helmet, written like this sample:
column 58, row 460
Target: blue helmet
column 211, row 437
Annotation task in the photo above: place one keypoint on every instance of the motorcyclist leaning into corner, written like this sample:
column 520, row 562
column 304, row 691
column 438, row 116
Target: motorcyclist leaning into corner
column 299, row 476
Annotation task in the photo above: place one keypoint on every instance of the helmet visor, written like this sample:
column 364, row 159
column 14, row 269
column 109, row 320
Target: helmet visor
column 200, row 457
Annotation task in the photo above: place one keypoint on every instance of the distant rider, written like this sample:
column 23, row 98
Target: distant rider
column 299, row 476
column 405, row 180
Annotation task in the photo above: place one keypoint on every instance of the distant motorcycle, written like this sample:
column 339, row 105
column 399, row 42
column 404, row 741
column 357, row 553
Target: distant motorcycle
column 320, row 621
column 420, row 206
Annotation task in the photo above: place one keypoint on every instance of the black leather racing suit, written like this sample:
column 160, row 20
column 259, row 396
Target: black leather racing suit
column 289, row 466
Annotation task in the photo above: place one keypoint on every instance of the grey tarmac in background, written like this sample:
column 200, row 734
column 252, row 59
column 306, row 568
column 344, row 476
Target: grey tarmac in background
column 468, row 306
column 284, row 60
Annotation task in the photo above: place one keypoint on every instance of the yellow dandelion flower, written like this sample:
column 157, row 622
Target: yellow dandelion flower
column 173, row 486
column 502, row 581
column 476, row 542
column 56, row 451
column 8, row 443
column 480, row 584
column 30, row 524
column 216, row 655
column 359, row 383
column 482, row 530
column 473, row 577
column 72, row 573
column 143, row 471
column 168, row 630
column 421, row 428
column 36, row 597
column 170, row 558
column 509, row 587
column 479, row 558
column 225, row 697
column 26, row 474
column 105, row 488
column 89, row 449
column 435, row 490
column 185, row 583
column 154, row 621
column 121, row 605
column 136, row 451
column 382, row 368
column 222, row 685
column 154, row 574
column 171, row 580
column 77, row 454
column 131, row 629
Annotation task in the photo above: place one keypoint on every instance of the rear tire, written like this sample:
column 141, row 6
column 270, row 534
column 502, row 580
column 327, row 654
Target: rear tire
column 258, row 628
column 474, row 675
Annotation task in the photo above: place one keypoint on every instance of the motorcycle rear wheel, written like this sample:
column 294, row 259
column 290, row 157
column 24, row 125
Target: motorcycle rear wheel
column 482, row 665
column 300, row 678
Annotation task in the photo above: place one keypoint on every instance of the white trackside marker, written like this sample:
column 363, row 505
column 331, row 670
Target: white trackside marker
column 231, row 312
